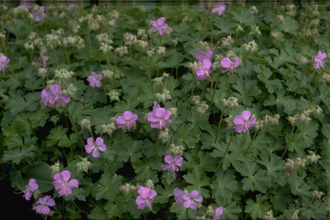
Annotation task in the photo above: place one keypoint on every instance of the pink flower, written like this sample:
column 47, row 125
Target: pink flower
column 220, row 7
column 4, row 62
column 159, row 25
column 96, row 146
column 54, row 96
column 203, row 55
column 228, row 65
column 204, row 71
column 190, row 200
column 173, row 163
column 38, row 15
column 43, row 204
column 178, row 194
column 319, row 59
column 31, row 187
column 243, row 122
column 159, row 117
column 95, row 79
column 145, row 198
column 63, row 184
column 127, row 121
column 218, row 213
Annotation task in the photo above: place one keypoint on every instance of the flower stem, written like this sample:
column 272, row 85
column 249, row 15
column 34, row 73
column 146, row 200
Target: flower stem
column 219, row 125
column 312, row 78
column 214, row 88
column 253, row 138
column 186, row 117
column 75, row 129
column 302, row 78
column 55, row 55
column 67, row 55
column 12, row 21
column 226, row 152
column 89, row 39
column 286, row 147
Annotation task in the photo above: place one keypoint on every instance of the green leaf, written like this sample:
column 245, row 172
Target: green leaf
column 281, row 198
column 108, row 186
column 98, row 214
column 144, row 170
column 42, row 173
column 263, row 74
column 274, row 167
column 56, row 135
column 18, row 154
column 77, row 193
column 255, row 178
column 247, row 89
column 298, row 186
column 130, row 151
column 259, row 208
column 198, row 179
column 225, row 185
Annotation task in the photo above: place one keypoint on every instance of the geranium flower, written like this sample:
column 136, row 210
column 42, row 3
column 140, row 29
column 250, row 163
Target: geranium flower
column 319, row 59
column 159, row 118
column 159, row 25
column 4, row 62
column 203, row 55
column 178, row 194
column 96, row 146
column 38, row 15
column 173, row 163
column 218, row 212
column 204, row 71
column 95, row 79
column 43, row 205
column 220, row 7
column 190, row 200
column 31, row 187
column 63, row 184
column 58, row 96
column 127, row 121
column 228, row 65
column 145, row 198
column 243, row 122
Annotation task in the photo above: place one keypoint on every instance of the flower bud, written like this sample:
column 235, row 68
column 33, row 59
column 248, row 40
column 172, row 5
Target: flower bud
column 83, row 165
column 150, row 184
column 55, row 168
column 85, row 123
column 54, row 119
column 114, row 95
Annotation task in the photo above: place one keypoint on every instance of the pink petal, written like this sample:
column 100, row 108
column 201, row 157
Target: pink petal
column 66, row 175
column 207, row 64
column 236, row 63
column 160, row 112
column 168, row 159
column 73, row 183
column 152, row 117
column 90, row 141
column 238, row 120
column 166, row 167
column 246, row 114
column 121, row 120
column 178, row 160
column 225, row 62
column 51, row 202
column 199, row 199
column 56, row 89
column 127, row 115
column 102, row 147
column 96, row 153
column 89, row 148
column 99, row 141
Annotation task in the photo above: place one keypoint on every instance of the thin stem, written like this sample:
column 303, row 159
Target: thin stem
column 89, row 39
column 75, row 129
column 80, row 208
column 149, row 71
column 186, row 117
column 157, row 149
column 160, row 39
column 312, row 78
column 253, row 138
column 327, row 95
column 12, row 21
column 314, row 173
column 214, row 88
column 302, row 78
column 219, row 125
column 67, row 55
column 55, row 55
column 224, row 156
column 286, row 147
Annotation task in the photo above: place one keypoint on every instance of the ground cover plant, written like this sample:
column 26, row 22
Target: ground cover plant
column 216, row 110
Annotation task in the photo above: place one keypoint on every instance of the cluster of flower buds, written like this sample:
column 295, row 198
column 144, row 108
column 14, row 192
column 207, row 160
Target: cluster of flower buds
column 299, row 119
column 23, row 12
column 312, row 157
column 230, row 121
column 85, row 123
column 70, row 90
column 239, row 28
column 53, row 41
column 295, row 163
column 63, row 74
column 105, row 43
column 127, row 189
column 176, row 150
column 163, row 97
column 95, row 23
column 324, row 78
column 290, row 10
column 161, row 51
column 113, row 17
column 314, row 111
column 164, row 135
column 29, row 46
column 226, row 42
column 142, row 34
column 113, row 95
column 202, row 107
column 266, row 121
column 186, row 19
column 255, row 31
column 54, row 119
column 230, row 102
column 203, row 45
column 121, row 51
column 280, row 19
column 129, row 39
column 254, row 10
column 108, row 128
column 269, row 215
column 251, row 46
column 108, row 74
column 194, row 66
column 141, row 45
column 317, row 194
column 83, row 165
column 75, row 42
column 174, row 111
column 55, row 168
